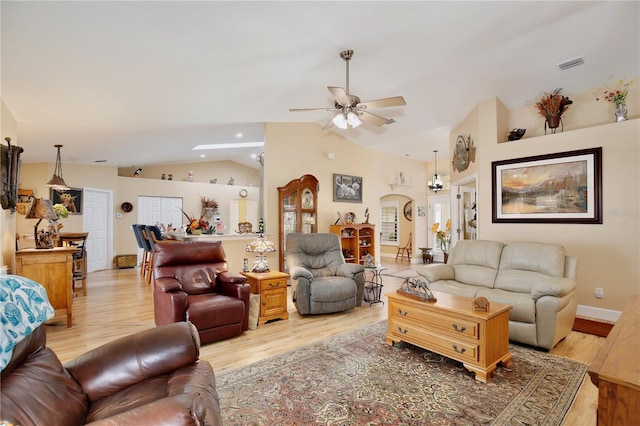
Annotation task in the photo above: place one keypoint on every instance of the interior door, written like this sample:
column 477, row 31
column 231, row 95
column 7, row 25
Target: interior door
column 97, row 222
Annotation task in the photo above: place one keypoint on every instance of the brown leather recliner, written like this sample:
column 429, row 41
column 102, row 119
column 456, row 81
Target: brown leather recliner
column 192, row 283
column 149, row 378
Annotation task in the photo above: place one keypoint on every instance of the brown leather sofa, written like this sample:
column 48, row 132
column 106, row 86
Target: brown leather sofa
column 149, row 378
column 192, row 283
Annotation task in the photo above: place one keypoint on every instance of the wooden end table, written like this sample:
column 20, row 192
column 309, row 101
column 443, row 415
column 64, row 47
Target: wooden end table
column 450, row 327
column 272, row 288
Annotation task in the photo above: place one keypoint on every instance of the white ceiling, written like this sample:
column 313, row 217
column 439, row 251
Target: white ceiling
column 141, row 83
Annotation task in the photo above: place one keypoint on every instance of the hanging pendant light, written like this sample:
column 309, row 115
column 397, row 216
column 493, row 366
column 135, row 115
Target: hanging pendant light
column 56, row 181
column 435, row 184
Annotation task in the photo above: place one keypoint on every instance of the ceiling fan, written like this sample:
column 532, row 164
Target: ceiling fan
column 349, row 110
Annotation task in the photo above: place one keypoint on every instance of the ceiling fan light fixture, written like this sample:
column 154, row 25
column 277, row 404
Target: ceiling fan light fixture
column 340, row 121
column 57, row 182
column 353, row 120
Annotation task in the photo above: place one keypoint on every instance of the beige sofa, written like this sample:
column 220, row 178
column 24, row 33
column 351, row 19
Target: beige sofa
column 537, row 279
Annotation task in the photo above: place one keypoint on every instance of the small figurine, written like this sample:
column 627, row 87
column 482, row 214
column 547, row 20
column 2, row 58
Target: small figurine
column 137, row 173
column 366, row 216
column 231, row 181
column 516, row 134
column 163, row 177
column 170, row 176
column 190, row 176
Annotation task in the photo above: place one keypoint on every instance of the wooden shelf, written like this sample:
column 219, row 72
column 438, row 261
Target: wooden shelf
column 357, row 240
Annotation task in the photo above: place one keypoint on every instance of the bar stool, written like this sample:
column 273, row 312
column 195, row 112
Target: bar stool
column 143, row 243
column 79, row 257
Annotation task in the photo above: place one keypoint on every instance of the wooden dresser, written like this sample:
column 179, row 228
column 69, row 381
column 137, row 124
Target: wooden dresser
column 53, row 269
column 450, row 327
column 616, row 370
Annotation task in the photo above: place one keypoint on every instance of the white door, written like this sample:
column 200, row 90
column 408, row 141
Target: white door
column 97, row 222
column 159, row 210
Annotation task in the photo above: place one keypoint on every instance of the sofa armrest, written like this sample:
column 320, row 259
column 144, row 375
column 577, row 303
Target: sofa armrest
column 556, row 286
column 132, row 359
column 167, row 284
column 435, row 273
column 349, row 270
column 231, row 277
column 300, row 272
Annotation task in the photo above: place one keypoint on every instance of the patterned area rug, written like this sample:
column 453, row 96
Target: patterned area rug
column 356, row 379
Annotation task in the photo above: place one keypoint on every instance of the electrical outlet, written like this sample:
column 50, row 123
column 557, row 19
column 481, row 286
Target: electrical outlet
column 599, row 293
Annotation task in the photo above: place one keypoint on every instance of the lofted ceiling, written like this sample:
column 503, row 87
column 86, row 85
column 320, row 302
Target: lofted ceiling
column 142, row 83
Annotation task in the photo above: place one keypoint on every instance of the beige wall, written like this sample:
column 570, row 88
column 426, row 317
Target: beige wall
column 607, row 254
column 295, row 149
column 8, row 129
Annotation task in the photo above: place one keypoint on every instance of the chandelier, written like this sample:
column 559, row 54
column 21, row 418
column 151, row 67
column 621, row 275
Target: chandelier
column 56, row 181
column 435, row 184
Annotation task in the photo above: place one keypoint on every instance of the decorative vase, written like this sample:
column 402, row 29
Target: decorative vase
column 553, row 122
column 621, row 112
column 446, row 257
column 196, row 231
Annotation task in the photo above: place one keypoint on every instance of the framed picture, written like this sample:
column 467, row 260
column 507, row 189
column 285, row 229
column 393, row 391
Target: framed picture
column 71, row 199
column 564, row 187
column 407, row 211
column 347, row 188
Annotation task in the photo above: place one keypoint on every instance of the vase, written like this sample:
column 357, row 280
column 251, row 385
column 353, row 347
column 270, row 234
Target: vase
column 553, row 122
column 446, row 257
column 196, row 231
column 621, row 112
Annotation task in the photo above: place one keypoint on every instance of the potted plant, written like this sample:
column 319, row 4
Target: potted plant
column 551, row 106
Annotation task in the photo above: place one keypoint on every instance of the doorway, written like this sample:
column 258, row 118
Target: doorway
column 464, row 208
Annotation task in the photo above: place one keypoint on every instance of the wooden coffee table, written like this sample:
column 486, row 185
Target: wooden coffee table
column 450, row 327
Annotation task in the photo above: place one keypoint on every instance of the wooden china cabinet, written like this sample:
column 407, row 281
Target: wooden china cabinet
column 298, row 203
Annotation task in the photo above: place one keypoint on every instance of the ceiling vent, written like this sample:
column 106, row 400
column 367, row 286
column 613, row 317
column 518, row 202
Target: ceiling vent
column 571, row 63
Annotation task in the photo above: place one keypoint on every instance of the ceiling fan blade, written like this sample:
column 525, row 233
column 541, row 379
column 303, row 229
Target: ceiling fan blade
column 312, row 109
column 340, row 95
column 382, row 103
column 328, row 125
column 374, row 119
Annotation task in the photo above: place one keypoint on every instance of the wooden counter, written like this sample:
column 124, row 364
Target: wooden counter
column 616, row 370
column 53, row 269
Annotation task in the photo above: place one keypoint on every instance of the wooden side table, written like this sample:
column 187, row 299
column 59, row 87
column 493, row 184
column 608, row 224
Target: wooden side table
column 53, row 269
column 272, row 288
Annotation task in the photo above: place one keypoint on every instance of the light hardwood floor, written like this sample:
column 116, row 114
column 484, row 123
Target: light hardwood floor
column 119, row 302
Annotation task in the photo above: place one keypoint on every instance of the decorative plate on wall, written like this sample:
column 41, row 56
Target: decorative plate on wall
column 407, row 211
column 126, row 207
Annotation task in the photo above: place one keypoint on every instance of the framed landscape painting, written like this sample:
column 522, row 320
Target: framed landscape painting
column 564, row 187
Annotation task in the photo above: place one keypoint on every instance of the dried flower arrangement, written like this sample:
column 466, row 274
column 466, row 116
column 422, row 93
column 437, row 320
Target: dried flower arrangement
column 553, row 104
column 208, row 202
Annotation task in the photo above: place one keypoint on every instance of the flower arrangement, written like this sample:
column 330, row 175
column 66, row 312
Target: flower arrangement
column 196, row 224
column 61, row 211
column 443, row 235
column 553, row 104
column 618, row 96
column 208, row 203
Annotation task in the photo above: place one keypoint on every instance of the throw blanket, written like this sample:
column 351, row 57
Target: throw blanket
column 24, row 305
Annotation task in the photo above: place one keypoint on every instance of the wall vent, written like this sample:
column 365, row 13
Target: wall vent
column 571, row 63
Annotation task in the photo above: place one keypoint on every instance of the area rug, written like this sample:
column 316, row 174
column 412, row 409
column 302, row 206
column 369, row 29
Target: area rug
column 357, row 379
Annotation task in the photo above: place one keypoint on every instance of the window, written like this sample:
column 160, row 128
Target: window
column 389, row 222
column 439, row 212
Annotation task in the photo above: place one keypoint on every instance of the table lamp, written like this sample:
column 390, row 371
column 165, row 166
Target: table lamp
column 42, row 209
column 261, row 246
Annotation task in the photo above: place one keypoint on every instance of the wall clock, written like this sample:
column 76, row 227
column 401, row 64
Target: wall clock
column 464, row 153
column 407, row 211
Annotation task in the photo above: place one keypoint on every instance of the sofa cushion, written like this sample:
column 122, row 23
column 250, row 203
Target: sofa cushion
column 524, row 307
column 214, row 310
column 454, row 287
column 525, row 264
column 332, row 289
column 476, row 262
